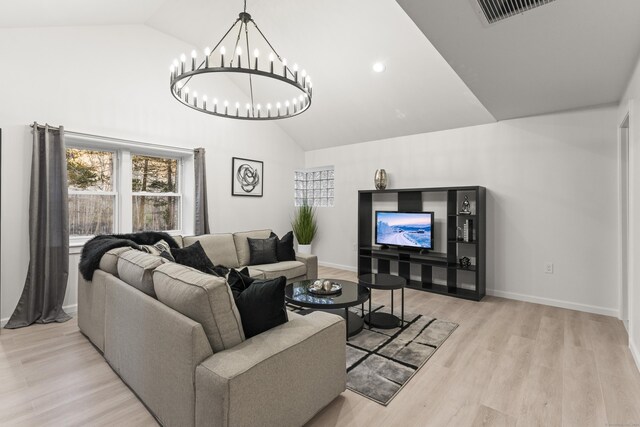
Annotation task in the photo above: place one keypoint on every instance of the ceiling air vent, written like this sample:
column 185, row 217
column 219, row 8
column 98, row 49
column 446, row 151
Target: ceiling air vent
column 497, row 10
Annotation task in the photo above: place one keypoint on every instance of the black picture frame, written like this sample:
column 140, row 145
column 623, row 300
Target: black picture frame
column 247, row 177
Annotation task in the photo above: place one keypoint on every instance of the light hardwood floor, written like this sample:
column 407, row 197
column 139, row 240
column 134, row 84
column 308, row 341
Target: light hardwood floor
column 509, row 363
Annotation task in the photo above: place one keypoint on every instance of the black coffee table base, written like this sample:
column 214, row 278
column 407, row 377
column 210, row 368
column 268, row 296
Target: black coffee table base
column 355, row 323
column 382, row 320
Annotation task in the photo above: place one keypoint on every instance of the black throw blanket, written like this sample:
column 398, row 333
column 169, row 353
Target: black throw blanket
column 95, row 248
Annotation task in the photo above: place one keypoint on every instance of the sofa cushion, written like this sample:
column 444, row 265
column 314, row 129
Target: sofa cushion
column 239, row 280
column 109, row 261
column 136, row 269
column 256, row 274
column 178, row 240
column 288, row 269
column 260, row 303
column 194, row 256
column 284, row 247
column 160, row 248
column 204, row 298
column 220, row 248
column 262, row 251
column 242, row 245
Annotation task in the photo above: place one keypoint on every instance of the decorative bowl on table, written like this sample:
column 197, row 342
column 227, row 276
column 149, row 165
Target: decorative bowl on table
column 325, row 287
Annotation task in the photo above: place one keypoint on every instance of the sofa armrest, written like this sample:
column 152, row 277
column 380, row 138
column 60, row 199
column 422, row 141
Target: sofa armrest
column 311, row 261
column 281, row 377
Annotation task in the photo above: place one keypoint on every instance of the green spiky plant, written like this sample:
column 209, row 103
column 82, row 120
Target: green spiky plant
column 304, row 224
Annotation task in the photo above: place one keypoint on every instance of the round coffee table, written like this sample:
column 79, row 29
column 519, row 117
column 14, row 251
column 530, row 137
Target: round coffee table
column 386, row 282
column 352, row 294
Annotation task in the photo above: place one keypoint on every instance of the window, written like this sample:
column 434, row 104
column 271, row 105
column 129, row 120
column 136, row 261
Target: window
column 118, row 186
column 314, row 187
column 156, row 200
column 92, row 199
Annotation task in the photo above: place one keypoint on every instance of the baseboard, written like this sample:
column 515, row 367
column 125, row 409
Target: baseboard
column 635, row 353
column 555, row 303
column 69, row 309
column 338, row 266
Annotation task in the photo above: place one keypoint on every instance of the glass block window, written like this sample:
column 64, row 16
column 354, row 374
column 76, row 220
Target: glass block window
column 314, row 187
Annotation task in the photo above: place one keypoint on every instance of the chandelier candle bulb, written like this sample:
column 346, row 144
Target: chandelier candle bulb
column 222, row 52
column 286, row 104
column 268, row 110
column 215, row 105
column 271, row 58
column 248, row 109
column 195, row 98
column 194, row 55
column 226, row 107
column 207, row 54
column 278, row 108
column 237, row 109
column 239, row 53
column 258, row 108
column 204, row 102
column 256, row 54
column 295, row 72
column 186, row 94
column 183, row 59
column 284, row 67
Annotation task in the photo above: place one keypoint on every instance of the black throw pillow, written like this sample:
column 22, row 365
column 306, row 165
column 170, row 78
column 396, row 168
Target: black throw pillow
column 262, row 251
column 239, row 280
column 261, row 306
column 194, row 256
column 284, row 247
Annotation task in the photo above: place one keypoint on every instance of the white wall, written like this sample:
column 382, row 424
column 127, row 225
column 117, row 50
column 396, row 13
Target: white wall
column 630, row 104
column 552, row 196
column 113, row 81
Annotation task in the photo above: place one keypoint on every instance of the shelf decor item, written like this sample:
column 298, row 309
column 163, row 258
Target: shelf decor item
column 465, row 262
column 466, row 206
column 304, row 227
column 246, row 177
column 381, row 179
column 459, row 233
column 243, row 34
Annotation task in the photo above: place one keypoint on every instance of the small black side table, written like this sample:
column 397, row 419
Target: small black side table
column 384, row 282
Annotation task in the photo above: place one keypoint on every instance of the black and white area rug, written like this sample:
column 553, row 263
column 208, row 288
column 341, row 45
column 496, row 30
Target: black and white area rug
column 381, row 361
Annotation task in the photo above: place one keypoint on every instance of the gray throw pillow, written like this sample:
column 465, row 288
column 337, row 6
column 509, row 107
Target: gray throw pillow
column 262, row 251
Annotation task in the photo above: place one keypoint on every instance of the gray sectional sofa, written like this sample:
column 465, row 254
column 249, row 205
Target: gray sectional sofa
column 174, row 335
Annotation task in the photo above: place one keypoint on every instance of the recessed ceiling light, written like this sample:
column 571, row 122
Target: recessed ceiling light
column 379, row 67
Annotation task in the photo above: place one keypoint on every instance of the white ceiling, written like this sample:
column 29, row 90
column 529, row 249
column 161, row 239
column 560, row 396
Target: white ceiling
column 337, row 41
column 49, row 13
column 567, row 54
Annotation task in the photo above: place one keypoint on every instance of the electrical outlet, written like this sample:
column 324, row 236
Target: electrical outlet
column 548, row 268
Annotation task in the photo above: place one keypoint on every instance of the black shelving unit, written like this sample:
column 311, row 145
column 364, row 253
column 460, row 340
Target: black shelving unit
column 410, row 200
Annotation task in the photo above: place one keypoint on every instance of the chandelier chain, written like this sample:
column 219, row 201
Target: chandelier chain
column 235, row 47
column 246, row 35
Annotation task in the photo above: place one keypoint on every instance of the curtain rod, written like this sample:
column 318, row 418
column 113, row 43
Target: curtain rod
column 115, row 140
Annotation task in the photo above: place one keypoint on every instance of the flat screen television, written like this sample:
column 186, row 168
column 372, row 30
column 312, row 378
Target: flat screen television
column 404, row 229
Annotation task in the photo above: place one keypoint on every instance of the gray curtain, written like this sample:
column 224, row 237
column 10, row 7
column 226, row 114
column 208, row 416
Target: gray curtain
column 202, row 211
column 46, row 283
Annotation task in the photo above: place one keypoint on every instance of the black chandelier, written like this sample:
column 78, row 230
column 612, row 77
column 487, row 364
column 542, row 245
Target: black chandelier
column 216, row 61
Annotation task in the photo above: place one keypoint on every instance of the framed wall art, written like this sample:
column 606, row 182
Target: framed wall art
column 247, row 177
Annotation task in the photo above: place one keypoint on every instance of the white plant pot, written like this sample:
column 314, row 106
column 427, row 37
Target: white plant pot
column 304, row 249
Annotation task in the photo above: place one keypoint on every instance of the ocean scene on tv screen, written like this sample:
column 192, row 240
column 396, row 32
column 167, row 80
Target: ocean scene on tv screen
column 404, row 229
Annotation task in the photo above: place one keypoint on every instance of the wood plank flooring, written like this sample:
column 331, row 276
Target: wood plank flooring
column 510, row 363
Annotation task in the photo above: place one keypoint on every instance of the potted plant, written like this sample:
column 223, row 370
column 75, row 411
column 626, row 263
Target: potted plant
column 304, row 227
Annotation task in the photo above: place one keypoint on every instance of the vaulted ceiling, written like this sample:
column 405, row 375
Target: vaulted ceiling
column 445, row 66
